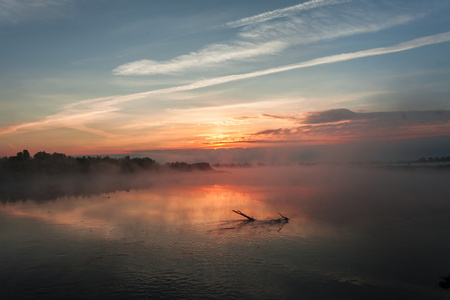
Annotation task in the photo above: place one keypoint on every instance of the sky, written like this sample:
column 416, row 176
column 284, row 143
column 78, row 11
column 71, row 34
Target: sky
column 226, row 80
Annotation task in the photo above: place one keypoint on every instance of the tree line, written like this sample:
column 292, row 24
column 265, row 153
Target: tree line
column 433, row 159
column 59, row 163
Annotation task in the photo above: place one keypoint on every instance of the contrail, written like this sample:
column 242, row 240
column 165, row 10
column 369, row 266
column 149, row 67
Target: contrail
column 89, row 109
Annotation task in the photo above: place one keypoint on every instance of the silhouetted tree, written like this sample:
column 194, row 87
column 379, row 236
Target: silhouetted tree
column 58, row 163
column 26, row 155
column 42, row 155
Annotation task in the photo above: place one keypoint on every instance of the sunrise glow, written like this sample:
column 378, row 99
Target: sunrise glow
column 272, row 75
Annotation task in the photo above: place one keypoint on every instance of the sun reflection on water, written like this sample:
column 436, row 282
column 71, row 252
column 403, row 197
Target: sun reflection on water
column 165, row 206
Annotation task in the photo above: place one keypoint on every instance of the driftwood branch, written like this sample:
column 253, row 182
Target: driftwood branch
column 244, row 215
column 283, row 217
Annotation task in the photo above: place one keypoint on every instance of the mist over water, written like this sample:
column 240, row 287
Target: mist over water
column 353, row 233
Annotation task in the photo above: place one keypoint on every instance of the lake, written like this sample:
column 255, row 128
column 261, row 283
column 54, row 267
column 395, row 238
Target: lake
column 352, row 233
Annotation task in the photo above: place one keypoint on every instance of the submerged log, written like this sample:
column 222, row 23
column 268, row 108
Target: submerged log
column 244, row 215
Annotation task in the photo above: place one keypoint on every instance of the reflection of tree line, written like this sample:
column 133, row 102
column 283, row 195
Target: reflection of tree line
column 48, row 176
column 50, row 187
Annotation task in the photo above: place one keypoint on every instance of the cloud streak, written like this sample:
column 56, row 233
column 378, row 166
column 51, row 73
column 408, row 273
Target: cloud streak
column 212, row 54
column 329, row 116
column 17, row 11
column 259, row 38
column 346, row 124
column 282, row 12
column 91, row 110
column 412, row 44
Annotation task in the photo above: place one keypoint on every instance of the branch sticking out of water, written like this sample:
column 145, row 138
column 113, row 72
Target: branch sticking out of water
column 244, row 215
column 283, row 217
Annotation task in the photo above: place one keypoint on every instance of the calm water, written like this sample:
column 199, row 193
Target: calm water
column 353, row 233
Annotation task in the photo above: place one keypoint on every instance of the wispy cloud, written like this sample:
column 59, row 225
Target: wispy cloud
column 282, row 12
column 88, row 111
column 264, row 38
column 18, row 11
column 328, row 25
column 212, row 54
column 412, row 44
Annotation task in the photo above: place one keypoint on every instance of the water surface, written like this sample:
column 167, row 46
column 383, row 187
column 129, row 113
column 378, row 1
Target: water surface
column 353, row 233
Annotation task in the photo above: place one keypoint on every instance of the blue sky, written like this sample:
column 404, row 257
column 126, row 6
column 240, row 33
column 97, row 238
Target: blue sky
column 103, row 77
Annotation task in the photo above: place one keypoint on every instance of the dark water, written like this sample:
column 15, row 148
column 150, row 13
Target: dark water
column 353, row 233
